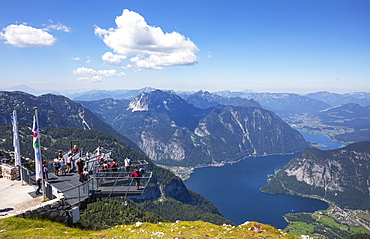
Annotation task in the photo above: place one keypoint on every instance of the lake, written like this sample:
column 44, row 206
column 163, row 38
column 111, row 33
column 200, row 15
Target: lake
column 322, row 139
column 234, row 189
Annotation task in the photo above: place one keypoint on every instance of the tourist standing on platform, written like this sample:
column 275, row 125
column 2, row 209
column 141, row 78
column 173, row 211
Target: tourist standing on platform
column 88, row 155
column 127, row 164
column 69, row 163
column 136, row 175
column 80, row 165
column 45, row 170
column 85, row 175
column 104, row 168
column 114, row 167
column 39, row 183
column 100, row 150
column 74, row 150
column 56, row 166
column 63, row 166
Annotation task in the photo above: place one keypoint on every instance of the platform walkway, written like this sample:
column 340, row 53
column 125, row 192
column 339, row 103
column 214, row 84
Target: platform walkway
column 107, row 183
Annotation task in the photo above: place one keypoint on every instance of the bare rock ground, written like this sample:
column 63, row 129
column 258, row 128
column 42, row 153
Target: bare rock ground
column 16, row 196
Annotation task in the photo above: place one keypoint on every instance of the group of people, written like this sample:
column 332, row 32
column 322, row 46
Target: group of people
column 62, row 166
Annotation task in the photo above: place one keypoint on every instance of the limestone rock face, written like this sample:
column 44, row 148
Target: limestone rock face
column 341, row 176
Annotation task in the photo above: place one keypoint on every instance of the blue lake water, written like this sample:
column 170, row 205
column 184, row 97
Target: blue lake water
column 234, row 189
column 322, row 139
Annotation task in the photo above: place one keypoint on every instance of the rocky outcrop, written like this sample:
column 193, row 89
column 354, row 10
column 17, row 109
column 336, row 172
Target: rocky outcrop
column 227, row 133
column 341, row 176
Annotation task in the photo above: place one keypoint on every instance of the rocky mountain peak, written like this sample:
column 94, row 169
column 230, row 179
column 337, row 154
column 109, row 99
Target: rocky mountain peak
column 156, row 101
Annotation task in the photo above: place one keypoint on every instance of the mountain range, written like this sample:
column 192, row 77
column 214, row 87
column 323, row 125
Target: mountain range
column 54, row 111
column 333, row 99
column 62, row 120
column 173, row 132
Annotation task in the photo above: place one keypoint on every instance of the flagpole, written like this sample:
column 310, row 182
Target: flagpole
column 37, row 148
column 17, row 155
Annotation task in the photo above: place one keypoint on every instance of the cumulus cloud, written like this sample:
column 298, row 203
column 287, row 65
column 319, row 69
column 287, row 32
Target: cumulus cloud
column 92, row 75
column 149, row 46
column 111, row 58
column 26, row 36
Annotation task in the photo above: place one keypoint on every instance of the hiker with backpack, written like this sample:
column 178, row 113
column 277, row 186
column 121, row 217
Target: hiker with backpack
column 136, row 174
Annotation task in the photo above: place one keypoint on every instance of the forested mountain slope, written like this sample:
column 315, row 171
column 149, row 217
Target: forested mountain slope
column 54, row 111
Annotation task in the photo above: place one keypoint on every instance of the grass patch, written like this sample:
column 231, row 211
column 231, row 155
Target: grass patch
column 360, row 229
column 15, row 227
column 300, row 228
column 331, row 222
column 364, row 216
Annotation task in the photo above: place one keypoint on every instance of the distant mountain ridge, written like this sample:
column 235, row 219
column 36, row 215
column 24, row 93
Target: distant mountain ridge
column 204, row 99
column 333, row 99
column 341, row 176
column 283, row 104
column 104, row 94
column 173, row 132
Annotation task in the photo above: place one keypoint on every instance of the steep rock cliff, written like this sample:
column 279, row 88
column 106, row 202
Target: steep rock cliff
column 341, row 176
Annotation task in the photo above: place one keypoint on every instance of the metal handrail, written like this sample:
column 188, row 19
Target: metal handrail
column 84, row 191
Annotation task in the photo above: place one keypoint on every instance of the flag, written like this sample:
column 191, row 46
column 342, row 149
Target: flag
column 36, row 147
column 17, row 155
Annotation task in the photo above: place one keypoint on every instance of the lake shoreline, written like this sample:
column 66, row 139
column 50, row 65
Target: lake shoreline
column 184, row 172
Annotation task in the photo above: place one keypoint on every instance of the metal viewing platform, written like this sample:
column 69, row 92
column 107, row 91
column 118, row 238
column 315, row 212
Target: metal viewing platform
column 103, row 183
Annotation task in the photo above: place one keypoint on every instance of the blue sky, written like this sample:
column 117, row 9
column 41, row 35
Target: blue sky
column 260, row 45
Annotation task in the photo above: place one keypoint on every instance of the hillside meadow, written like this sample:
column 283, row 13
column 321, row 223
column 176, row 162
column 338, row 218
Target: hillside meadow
column 15, row 227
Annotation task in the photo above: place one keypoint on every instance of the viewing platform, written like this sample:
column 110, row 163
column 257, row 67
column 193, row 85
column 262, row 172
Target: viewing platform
column 102, row 183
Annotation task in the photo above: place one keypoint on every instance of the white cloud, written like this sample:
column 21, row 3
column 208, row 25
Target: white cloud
column 76, row 58
column 95, row 75
column 26, row 36
column 89, row 71
column 156, row 49
column 58, row 26
column 111, row 58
